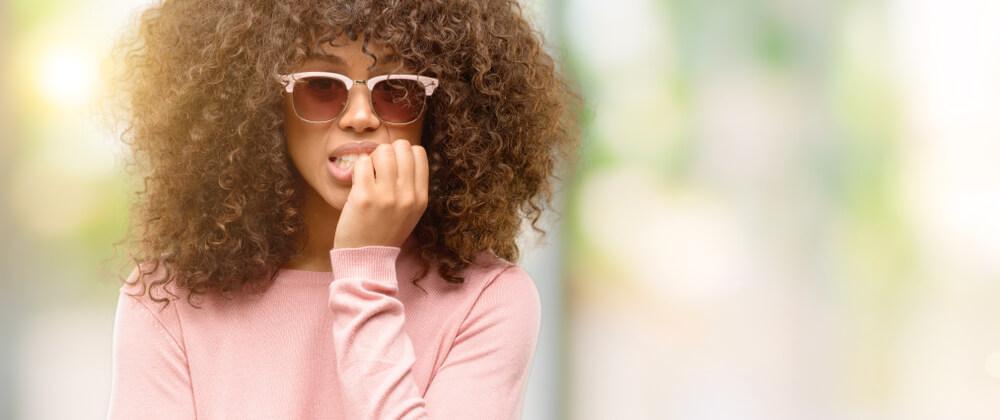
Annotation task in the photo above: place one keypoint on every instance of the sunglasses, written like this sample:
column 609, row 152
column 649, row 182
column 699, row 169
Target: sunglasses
column 321, row 97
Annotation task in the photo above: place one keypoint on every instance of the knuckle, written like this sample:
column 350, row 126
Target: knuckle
column 384, row 202
column 406, row 202
column 363, row 200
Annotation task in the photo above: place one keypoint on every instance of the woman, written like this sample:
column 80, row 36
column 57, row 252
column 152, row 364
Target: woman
column 332, row 195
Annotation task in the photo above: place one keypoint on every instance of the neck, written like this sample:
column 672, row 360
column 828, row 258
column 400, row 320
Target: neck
column 321, row 228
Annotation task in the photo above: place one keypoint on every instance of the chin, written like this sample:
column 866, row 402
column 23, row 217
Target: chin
column 327, row 193
column 335, row 196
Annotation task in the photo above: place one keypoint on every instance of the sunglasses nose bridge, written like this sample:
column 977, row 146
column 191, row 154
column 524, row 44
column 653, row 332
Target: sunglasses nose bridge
column 355, row 82
column 358, row 112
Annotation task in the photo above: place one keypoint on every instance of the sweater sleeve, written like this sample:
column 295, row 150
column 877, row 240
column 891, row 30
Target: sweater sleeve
column 149, row 368
column 484, row 373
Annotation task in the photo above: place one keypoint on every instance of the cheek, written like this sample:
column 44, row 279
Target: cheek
column 411, row 132
column 293, row 142
column 297, row 139
column 301, row 150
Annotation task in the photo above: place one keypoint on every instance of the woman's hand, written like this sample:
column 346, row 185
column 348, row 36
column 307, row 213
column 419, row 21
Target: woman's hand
column 384, row 209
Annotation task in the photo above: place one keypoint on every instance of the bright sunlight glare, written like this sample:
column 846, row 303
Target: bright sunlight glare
column 65, row 76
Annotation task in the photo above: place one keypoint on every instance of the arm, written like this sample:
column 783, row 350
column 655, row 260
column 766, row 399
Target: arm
column 149, row 368
column 485, row 372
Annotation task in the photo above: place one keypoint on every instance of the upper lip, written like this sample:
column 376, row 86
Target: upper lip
column 353, row 148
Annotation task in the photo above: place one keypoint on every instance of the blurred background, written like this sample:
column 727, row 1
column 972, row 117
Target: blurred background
column 785, row 209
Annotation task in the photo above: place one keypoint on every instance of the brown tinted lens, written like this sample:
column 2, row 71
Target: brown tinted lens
column 319, row 98
column 398, row 100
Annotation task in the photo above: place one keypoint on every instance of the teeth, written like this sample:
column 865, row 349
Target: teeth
column 346, row 161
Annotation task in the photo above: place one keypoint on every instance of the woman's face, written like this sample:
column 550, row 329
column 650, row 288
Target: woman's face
column 310, row 145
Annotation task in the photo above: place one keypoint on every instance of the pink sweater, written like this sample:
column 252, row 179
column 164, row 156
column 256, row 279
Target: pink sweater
column 360, row 342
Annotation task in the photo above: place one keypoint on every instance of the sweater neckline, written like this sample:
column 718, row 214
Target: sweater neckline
column 303, row 276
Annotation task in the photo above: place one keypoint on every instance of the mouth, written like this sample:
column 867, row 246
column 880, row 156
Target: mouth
column 342, row 167
column 342, row 159
column 348, row 152
column 345, row 161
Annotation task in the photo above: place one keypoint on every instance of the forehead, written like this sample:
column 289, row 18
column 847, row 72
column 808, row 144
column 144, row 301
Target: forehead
column 345, row 52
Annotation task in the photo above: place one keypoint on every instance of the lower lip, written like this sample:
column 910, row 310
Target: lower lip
column 340, row 174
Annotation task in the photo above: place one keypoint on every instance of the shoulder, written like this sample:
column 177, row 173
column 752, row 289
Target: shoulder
column 147, row 283
column 497, row 276
column 146, row 294
column 504, row 318
column 513, row 284
column 508, row 292
column 493, row 273
column 491, row 284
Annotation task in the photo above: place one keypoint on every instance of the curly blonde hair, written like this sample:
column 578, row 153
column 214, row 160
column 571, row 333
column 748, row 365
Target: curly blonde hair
column 220, row 207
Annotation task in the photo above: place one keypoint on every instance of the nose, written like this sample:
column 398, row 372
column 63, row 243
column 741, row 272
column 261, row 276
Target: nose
column 359, row 115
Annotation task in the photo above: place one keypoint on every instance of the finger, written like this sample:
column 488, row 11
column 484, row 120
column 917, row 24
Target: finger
column 362, row 175
column 404, row 167
column 420, row 172
column 384, row 159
